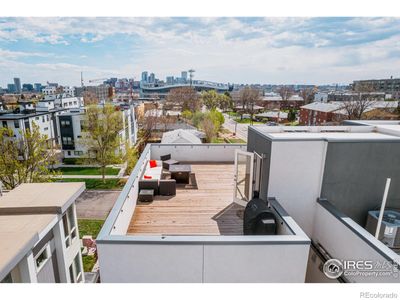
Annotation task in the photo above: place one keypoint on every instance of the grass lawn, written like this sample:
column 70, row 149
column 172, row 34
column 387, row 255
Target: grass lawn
column 246, row 121
column 87, row 171
column 88, row 263
column 89, row 227
column 236, row 141
column 98, row 184
column 218, row 140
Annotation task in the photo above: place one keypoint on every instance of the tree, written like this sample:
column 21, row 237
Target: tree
column 184, row 97
column 291, row 115
column 101, row 129
column 308, row 95
column 209, row 129
column 226, row 102
column 211, row 99
column 26, row 158
column 285, row 92
column 357, row 105
column 248, row 98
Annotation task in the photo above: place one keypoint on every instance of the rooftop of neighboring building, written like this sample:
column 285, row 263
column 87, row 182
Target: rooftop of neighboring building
column 18, row 234
column 330, row 133
column 40, row 198
column 182, row 136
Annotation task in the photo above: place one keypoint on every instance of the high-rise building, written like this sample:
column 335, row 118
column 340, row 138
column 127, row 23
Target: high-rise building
column 152, row 78
column 38, row 87
column 184, row 75
column 17, row 83
column 11, row 88
column 170, row 79
column 145, row 76
column 27, row 87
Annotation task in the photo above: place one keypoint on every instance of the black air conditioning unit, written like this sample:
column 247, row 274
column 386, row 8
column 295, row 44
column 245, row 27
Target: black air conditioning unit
column 258, row 219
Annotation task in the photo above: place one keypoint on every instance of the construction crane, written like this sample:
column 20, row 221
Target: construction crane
column 191, row 75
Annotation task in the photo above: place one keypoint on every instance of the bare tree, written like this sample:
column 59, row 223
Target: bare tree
column 285, row 92
column 307, row 94
column 357, row 105
column 184, row 97
column 248, row 98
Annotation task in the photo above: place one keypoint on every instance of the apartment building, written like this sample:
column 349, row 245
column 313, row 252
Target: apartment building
column 70, row 127
column 320, row 183
column 40, row 235
column 20, row 122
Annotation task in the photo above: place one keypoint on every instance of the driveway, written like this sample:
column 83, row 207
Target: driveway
column 95, row 204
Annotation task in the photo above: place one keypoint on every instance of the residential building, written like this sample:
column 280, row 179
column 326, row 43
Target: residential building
column 321, row 97
column 49, row 90
column 69, row 91
column 274, row 101
column 17, row 84
column 182, row 136
column 39, row 234
column 18, row 122
column 71, row 131
column 320, row 113
column 301, row 173
column 387, row 86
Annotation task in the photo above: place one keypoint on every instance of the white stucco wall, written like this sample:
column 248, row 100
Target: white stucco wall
column 296, row 173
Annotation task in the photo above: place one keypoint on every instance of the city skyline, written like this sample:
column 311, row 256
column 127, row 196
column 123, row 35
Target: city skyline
column 236, row 50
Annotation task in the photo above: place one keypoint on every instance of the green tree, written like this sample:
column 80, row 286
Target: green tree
column 211, row 99
column 291, row 115
column 102, row 125
column 26, row 158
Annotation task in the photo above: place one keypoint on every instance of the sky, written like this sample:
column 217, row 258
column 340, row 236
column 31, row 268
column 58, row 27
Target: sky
column 235, row 50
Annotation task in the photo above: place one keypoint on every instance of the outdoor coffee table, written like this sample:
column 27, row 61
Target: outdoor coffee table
column 146, row 195
column 181, row 173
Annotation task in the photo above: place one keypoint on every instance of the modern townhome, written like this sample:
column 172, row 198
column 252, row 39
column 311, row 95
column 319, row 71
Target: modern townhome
column 70, row 128
column 22, row 119
column 39, row 234
column 274, row 210
column 331, row 180
column 181, row 218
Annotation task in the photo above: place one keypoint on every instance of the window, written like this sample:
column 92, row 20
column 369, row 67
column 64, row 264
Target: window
column 70, row 231
column 42, row 257
column 16, row 124
column 46, row 128
column 65, row 123
column 67, row 140
column 69, row 153
column 47, row 117
column 75, row 270
column 43, row 119
column 5, row 124
column 78, row 153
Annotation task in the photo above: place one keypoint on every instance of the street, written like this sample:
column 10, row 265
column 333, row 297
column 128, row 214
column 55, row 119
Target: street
column 241, row 129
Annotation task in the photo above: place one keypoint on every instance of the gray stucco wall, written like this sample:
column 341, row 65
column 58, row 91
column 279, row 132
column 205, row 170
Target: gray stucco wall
column 257, row 142
column 355, row 176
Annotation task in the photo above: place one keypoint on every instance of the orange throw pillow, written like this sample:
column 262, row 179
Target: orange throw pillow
column 147, row 177
column 153, row 163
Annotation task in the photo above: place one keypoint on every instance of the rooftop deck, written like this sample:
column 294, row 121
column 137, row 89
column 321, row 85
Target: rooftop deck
column 203, row 208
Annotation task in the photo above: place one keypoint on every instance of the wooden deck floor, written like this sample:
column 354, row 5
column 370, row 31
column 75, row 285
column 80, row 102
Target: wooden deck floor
column 207, row 210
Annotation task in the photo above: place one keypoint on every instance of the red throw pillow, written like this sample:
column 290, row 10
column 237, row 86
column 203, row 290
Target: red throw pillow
column 147, row 177
column 153, row 163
